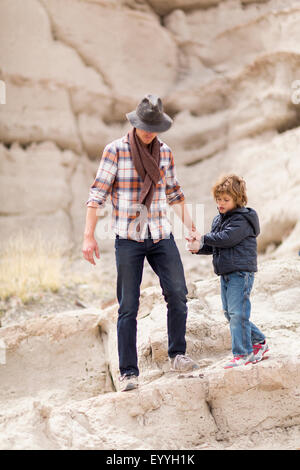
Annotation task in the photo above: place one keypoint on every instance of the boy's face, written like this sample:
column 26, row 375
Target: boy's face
column 225, row 203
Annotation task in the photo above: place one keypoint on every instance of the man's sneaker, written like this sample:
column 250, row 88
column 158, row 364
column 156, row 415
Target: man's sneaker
column 128, row 382
column 240, row 361
column 182, row 363
column 259, row 349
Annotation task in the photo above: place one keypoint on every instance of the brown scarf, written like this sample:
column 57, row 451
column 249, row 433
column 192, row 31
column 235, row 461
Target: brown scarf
column 146, row 162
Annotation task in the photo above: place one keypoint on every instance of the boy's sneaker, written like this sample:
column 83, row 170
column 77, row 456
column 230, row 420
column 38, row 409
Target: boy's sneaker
column 182, row 363
column 128, row 382
column 240, row 361
column 259, row 349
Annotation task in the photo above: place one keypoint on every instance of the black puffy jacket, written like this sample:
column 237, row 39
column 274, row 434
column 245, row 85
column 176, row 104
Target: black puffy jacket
column 232, row 241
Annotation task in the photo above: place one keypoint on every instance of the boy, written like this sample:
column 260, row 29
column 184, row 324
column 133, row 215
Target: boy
column 232, row 242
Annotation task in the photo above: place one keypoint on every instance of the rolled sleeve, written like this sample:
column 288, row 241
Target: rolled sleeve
column 105, row 177
column 174, row 192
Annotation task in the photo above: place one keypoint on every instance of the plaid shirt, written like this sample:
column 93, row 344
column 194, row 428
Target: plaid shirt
column 118, row 177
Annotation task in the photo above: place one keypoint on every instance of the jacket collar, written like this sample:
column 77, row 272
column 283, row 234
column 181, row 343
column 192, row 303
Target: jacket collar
column 233, row 211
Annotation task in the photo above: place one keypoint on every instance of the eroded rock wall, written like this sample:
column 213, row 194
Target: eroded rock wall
column 72, row 70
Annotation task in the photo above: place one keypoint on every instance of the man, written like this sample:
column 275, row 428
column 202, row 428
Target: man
column 138, row 171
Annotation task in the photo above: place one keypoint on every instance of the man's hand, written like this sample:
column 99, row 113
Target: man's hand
column 89, row 247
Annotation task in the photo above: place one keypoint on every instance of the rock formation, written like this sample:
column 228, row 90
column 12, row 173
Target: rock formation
column 225, row 70
column 61, row 375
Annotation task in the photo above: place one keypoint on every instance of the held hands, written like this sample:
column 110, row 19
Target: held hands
column 193, row 241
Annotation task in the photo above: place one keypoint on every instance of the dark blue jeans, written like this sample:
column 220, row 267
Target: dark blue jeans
column 164, row 258
column 235, row 293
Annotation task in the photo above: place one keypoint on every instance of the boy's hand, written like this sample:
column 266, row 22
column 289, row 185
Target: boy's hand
column 193, row 246
column 194, row 242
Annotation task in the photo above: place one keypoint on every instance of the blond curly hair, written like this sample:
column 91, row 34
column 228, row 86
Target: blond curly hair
column 233, row 185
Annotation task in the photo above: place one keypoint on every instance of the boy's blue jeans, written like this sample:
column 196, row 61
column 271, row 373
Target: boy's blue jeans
column 164, row 258
column 235, row 293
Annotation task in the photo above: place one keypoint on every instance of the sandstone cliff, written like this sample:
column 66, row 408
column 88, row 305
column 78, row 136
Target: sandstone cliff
column 225, row 70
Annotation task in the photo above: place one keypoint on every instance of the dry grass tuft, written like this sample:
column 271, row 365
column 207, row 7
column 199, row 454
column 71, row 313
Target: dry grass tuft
column 29, row 264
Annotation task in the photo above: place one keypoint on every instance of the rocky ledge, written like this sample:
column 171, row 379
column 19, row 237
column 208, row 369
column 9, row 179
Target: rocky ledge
column 59, row 376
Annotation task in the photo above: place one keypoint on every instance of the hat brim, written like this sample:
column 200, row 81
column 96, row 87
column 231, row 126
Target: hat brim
column 163, row 125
